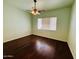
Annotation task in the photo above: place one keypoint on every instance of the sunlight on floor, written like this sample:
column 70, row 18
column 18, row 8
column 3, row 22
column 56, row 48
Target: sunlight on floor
column 44, row 49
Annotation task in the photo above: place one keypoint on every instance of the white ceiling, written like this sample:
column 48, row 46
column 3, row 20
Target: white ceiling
column 41, row 4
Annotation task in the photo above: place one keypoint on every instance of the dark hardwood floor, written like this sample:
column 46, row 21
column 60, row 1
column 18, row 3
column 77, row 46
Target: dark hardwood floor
column 36, row 47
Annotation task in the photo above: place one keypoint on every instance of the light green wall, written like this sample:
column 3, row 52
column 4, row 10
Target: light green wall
column 16, row 23
column 63, row 19
column 72, row 32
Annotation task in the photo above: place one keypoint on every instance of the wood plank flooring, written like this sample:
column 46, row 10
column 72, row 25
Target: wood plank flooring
column 36, row 47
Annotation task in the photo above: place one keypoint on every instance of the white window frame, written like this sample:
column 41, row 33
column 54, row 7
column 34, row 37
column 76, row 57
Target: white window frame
column 52, row 24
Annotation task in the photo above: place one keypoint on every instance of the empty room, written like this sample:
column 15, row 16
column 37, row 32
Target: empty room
column 39, row 29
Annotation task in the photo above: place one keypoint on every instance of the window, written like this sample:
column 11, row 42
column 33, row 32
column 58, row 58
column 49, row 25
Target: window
column 47, row 23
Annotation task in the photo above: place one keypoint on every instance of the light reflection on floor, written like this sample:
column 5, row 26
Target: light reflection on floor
column 44, row 49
